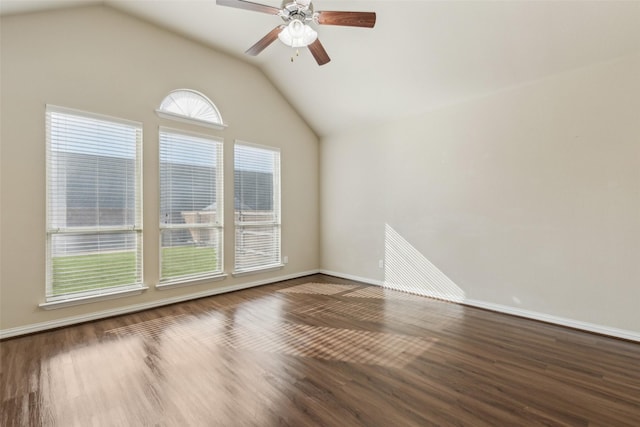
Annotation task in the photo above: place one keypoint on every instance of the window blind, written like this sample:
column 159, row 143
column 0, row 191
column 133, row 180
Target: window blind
column 94, row 212
column 191, row 210
column 257, row 206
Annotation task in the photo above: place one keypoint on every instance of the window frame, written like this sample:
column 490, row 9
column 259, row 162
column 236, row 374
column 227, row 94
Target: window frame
column 276, row 223
column 219, row 124
column 107, row 292
column 185, row 280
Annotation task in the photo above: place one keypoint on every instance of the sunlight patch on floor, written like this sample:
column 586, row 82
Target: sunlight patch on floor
column 318, row 289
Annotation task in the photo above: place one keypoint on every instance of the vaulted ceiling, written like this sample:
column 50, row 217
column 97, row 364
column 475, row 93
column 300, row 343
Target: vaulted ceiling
column 422, row 55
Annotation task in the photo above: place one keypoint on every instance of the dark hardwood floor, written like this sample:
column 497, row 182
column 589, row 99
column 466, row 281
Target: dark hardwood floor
column 318, row 351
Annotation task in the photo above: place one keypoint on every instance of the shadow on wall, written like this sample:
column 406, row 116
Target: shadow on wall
column 406, row 269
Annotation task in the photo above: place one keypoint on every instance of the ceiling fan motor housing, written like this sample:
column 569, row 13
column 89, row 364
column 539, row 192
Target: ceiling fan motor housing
column 297, row 10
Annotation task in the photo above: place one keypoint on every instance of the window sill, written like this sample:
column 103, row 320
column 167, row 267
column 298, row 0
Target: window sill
column 265, row 269
column 62, row 303
column 179, row 283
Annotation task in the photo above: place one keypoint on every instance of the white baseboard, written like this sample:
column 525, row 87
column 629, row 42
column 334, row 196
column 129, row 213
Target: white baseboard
column 352, row 277
column 561, row 321
column 43, row 326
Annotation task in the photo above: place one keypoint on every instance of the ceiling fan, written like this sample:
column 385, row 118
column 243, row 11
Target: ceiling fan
column 296, row 32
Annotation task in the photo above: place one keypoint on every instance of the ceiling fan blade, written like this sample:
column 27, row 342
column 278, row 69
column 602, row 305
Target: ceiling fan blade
column 349, row 19
column 256, row 7
column 265, row 41
column 318, row 52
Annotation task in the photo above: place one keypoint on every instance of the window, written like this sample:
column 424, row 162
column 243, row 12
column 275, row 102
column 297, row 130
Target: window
column 257, row 207
column 191, row 208
column 190, row 106
column 94, row 213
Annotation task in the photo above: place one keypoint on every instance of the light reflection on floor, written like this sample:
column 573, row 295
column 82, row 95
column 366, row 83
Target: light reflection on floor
column 298, row 355
column 318, row 289
column 156, row 362
column 247, row 330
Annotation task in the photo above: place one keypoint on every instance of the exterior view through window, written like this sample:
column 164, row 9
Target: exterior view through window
column 94, row 213
column 257, row 206
column 190, row 206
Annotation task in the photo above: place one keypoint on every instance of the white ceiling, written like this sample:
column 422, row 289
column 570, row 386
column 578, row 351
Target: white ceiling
column 421, row 55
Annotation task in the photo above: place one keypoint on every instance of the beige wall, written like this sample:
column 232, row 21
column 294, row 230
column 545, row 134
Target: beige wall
column 527, row 200
column 99, row 60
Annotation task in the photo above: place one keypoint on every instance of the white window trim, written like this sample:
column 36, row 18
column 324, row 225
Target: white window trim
column 278, row 223
column 254, row 145
column 258, row 270
column 98, row 116
column 193, row 279
column 72, row 299
column 61, row 302
column 192, row 120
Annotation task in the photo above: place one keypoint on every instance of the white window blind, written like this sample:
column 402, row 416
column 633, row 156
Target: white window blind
column 191, row 210
column 257, row 206
column 94, row 212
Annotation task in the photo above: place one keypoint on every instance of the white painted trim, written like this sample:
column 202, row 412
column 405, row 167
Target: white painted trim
column 92, row 115
column 190, row 281
column 504, row 309
column 352, row 277
column 87, row 299
column 562, row 321
column 191, row 120
column 254, row 145
column 43, row 326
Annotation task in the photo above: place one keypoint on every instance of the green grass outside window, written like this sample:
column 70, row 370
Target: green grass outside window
column 81, row 273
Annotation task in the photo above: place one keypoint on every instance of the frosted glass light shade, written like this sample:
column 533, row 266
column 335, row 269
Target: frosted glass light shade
column 297, row 34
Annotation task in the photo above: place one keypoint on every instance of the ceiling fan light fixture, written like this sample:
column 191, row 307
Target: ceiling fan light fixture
column 297, row 34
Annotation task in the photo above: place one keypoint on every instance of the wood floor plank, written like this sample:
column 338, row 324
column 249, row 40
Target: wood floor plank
column 318, row 351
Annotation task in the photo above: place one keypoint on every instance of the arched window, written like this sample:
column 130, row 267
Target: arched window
column 190, row 106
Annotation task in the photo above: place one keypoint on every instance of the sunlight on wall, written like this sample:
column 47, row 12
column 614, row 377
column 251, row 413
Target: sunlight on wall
column 406, row 269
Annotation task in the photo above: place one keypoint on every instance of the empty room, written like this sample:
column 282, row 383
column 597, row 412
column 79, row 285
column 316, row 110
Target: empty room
column 319, row 213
